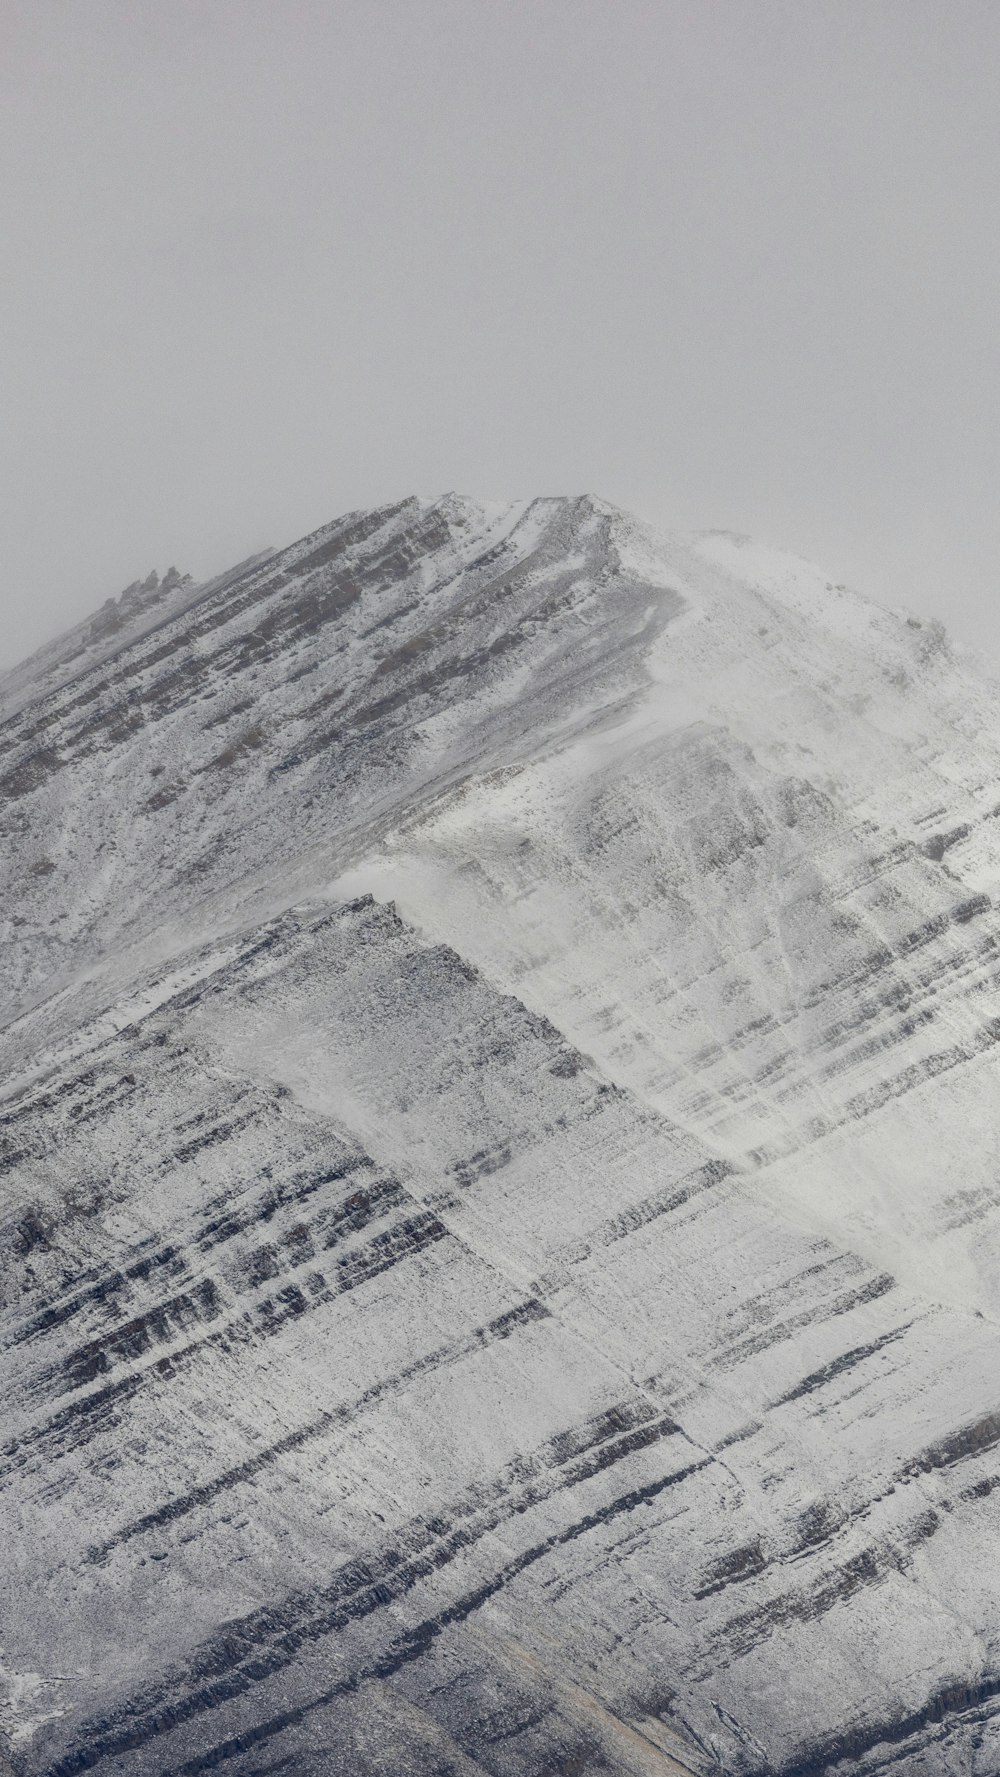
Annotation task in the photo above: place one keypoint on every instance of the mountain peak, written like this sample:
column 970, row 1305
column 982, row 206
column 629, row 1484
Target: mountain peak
column 501, row 1240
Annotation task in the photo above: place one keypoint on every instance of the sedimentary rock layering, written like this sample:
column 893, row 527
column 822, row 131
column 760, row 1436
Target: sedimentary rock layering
column 500, row 1167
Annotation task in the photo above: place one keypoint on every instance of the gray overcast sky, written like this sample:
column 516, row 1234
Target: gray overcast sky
column 728, row 262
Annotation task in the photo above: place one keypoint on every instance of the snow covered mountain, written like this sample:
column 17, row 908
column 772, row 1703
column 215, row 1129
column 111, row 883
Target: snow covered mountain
column 500, row 1140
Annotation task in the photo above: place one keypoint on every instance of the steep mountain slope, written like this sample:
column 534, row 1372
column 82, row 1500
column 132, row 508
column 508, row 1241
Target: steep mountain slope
column 501, row 1189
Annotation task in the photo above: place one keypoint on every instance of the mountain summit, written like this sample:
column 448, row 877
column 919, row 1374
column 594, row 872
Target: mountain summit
column 501, row 1221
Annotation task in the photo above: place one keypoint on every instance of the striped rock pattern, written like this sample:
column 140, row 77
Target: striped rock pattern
column 500, row 1231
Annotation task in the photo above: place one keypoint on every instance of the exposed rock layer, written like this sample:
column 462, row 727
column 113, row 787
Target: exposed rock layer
column 500, row 1216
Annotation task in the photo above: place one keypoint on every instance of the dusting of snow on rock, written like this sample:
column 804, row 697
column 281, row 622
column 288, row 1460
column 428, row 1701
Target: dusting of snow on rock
column 501, row 1167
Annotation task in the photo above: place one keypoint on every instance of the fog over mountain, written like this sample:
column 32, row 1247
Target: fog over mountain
column 501, row 1205
column 266, row 260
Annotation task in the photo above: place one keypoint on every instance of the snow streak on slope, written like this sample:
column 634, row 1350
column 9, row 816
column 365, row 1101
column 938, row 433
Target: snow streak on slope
column 500, row 1263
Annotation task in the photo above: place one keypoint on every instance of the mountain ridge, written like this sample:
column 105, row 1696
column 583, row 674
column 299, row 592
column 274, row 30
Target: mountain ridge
column 500, row 1263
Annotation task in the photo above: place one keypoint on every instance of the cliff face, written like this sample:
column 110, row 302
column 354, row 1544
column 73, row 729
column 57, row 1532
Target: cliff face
column 500, row 1261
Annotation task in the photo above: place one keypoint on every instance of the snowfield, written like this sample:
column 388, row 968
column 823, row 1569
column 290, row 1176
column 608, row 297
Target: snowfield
column 500, row 1136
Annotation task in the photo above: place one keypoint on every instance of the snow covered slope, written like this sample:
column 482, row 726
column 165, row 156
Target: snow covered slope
column 499, row 1132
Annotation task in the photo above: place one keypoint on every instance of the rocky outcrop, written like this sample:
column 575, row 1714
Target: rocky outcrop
column 500, row 1228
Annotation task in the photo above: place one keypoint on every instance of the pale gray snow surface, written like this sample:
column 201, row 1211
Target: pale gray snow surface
column 501, row 1168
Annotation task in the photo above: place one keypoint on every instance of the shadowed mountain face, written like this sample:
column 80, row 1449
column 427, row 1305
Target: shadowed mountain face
column 500, row 1227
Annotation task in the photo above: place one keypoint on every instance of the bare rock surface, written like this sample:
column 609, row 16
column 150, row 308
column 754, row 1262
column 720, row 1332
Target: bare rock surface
column 500, row 1230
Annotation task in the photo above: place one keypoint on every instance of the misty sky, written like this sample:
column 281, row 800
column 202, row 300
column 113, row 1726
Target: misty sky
column 732, row 263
